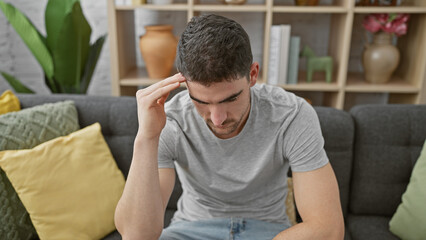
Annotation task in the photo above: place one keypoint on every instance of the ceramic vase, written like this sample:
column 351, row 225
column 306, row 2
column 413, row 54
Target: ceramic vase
column 380, row 58
column 158, row 49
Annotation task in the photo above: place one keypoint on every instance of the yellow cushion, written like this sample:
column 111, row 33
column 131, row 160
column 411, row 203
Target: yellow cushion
column 9, row 102
column 69, row 185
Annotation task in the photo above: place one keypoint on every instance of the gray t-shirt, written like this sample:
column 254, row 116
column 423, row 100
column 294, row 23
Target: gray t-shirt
column 246, row 175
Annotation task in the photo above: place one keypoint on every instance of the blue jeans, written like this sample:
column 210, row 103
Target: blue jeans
column 222, row 229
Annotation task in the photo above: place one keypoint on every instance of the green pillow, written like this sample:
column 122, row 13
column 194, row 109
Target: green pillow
column 23, row 130
column 408, row 222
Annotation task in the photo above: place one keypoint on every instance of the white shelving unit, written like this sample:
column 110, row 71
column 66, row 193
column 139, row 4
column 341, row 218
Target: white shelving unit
column 407, row 86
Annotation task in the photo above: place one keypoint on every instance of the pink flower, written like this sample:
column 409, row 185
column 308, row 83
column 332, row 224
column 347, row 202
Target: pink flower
column 371, row 24
column 400, row 29
column 382, row 18
column 390, row 23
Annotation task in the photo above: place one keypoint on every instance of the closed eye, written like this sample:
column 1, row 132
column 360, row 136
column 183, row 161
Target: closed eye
column 231, row 99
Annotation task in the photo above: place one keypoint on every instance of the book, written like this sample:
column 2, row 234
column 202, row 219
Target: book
column 284, row 53
column 293, row 60
column 274, row 55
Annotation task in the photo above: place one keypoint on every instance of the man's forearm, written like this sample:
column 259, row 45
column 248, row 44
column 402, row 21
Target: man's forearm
column 307, row 231
column 139, row 213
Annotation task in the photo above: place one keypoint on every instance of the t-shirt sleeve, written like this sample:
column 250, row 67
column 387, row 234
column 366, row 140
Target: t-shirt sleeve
column 303, row 141
column 167, row 146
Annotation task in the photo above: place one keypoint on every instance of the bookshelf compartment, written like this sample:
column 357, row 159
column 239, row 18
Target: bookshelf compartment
column 352, row 99
column 318, row 98
column 312, row 35
column 321, row 4
column 407, row 78
column 356, row 83
column 220, row 4
column 154, row 7
column 395, row 98
column 402, row 6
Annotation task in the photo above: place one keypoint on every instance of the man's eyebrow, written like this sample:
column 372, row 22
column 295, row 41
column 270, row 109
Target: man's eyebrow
column 225, row 100
column 231, row 97
column 197, row 100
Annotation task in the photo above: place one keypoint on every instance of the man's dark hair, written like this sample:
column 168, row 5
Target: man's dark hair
column 214, row 49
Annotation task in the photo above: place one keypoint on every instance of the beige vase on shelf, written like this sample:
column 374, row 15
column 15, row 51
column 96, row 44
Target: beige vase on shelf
column 158, row 49
column 380, row 58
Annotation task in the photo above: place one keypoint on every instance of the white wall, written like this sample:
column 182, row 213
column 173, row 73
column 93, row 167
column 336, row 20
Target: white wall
column 16, row 59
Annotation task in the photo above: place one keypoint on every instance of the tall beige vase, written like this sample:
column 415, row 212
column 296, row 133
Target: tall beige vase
column 380, row 59
column 158, row 49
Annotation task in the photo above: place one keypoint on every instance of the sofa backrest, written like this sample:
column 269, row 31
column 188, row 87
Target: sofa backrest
column 388, row 141
column 117, row 116
column 338, row 130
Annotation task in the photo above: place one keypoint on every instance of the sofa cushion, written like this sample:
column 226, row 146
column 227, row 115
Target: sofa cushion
column 69, row 185
column 409, row 220
column 369, row 228
column 22, row 130
column 388, row 141
column 9, row 102
column 338, row 131
column 117, row 116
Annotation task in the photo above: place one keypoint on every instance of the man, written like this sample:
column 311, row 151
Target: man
column 231, row 143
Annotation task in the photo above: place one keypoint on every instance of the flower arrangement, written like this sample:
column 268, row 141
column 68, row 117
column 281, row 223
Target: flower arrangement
column 390, row 23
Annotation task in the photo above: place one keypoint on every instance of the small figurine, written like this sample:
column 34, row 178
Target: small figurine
column 314, row 63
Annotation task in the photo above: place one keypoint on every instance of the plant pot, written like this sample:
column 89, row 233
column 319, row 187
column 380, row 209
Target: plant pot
column 380, row 59
column 158, row 49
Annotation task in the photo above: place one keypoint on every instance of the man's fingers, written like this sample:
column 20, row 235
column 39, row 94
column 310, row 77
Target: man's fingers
column 170, row 80
column 163, row 99
column 158, row 94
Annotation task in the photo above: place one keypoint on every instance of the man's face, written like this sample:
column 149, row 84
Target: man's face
column 225, row 106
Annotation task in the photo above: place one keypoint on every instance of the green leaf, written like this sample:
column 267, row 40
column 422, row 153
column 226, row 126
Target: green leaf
column 30, row 35
column 92, row 60
column 16, row 84
column 52, row 85
column 71, row 51
column 56, row 11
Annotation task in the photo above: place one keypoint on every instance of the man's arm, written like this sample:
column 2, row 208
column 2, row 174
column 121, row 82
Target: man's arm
column 140, row 211
column 318, row 202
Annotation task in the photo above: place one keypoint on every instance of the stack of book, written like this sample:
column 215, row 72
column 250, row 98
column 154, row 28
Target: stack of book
column 283, row 56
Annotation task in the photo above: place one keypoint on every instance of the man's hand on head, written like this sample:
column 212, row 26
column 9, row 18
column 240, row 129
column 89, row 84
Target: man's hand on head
column 150, row 102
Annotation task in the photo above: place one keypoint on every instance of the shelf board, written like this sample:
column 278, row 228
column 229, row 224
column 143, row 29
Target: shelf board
column 356, row 83
column 314, row 86
column 230, row 8
column 167, row 7
column 302, row 9
column 137, row 77
column 408, row 9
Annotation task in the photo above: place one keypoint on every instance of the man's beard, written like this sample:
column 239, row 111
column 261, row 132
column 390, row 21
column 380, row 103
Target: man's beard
column 229, row 125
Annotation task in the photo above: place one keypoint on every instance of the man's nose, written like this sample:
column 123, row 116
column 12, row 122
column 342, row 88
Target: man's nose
column 218, row 115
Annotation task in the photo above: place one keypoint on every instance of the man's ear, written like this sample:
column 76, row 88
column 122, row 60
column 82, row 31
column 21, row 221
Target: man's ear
column 254, row 73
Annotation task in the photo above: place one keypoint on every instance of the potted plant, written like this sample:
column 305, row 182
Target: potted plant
column 65, row 54
column 381, row 57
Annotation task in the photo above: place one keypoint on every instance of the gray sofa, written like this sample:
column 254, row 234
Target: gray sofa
column 372, row 149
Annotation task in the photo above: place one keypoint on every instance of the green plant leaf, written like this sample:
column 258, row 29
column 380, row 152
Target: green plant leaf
column 56, row 11
column 71, row 51
column 16, row 84
column 30, row 35
column 92, row 60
